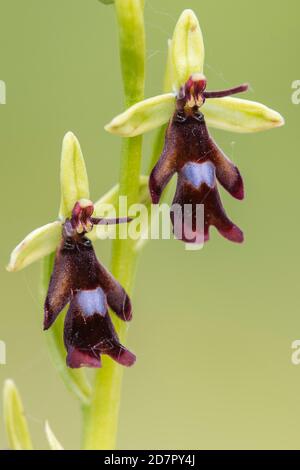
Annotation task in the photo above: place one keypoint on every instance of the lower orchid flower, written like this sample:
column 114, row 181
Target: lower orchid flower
column 79, row 279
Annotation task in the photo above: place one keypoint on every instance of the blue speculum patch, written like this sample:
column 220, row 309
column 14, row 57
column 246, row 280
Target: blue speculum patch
column 92, row 301
column 198, row 173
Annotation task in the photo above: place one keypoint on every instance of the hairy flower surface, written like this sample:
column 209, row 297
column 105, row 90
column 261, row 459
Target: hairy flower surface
column 79, row 279
column 189, row 150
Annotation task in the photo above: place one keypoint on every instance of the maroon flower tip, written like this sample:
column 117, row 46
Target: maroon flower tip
column 47, row 320
column 239, row 193
column 51, row 311
column 77, row 358
column 234, row 184
column 155, row 189
column 122, row 356
column 127, row 309
column 233, row 234
column 206, row 236
column 127, row 358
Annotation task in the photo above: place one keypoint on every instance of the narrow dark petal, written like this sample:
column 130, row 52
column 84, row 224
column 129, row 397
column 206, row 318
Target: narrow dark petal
column 118, row 220
column 59, row 291
column 215, row 214
column 165, row 167
column 228, row 92
column 227, row 173
column 117, row 298
column 159, row 178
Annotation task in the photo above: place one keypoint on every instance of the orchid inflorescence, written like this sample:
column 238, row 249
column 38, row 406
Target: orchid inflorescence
column 77, row 277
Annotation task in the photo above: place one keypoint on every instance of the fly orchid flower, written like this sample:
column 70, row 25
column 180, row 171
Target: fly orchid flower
column 77, row 276
column 189, row 150
column 79, row 279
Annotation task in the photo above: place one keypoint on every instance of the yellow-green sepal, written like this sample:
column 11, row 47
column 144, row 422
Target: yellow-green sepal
column 39, row 243
column 143, row 116
column 74, row 181
column 14, row 417
column 238, row 115
column 186, row 49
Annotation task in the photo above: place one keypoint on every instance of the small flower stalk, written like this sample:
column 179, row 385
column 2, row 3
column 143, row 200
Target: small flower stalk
column 80, row 280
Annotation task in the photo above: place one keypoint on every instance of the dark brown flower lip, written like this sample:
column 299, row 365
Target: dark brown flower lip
column 189, row 143
column 197, row 185
column 80, row 280
column 89, row 332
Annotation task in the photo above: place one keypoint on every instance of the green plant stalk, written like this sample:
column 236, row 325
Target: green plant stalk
column 101, row 421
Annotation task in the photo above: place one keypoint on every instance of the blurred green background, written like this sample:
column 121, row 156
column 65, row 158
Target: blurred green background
column 212, row 329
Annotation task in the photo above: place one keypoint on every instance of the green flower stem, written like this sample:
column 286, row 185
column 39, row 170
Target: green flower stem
column 101, row 422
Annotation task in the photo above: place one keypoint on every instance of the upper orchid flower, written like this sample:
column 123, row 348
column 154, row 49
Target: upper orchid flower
column 189, row 150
